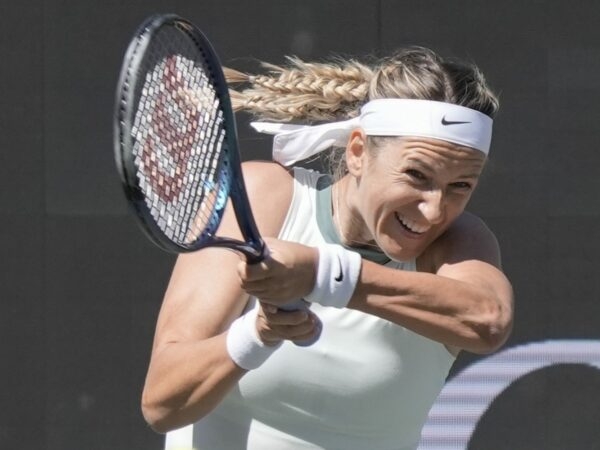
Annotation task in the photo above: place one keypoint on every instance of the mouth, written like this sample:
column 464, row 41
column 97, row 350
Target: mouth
column 411, row 226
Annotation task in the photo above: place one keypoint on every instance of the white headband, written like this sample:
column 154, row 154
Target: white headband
column 383, row 117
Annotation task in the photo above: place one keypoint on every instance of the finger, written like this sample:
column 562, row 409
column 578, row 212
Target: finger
column 286, row 318
column 299, row 332
column 257, row 286
column 289, row 332
column 252, row 272
column 265, row 295
column 273, row 289
column 307, row 337
column 267, row 307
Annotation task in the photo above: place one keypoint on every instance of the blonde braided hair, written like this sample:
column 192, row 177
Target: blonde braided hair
column 335, row 90
column 303, row 91
column 309, row 92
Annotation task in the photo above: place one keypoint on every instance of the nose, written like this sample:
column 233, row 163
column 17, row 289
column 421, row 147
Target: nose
column 432, row 206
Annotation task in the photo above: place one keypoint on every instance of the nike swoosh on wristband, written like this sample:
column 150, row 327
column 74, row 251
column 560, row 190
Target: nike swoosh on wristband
column 451, row 122
column 340, row 276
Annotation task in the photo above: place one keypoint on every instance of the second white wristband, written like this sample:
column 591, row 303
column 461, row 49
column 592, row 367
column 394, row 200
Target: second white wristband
column 243, row 344
column 338, row 271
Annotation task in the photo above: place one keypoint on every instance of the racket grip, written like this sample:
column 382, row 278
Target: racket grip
column 303, row 305
column 296, row 305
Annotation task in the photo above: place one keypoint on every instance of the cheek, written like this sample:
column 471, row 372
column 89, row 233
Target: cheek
column 371, row 206
column 395, row 196
column 457, row 205
column 384, row 202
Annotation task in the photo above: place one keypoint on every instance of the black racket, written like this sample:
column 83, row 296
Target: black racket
column 175, row 142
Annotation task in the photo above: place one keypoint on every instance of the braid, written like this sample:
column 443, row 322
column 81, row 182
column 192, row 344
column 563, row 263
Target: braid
column 311, row 92
column 303, row 91
column 308, row 92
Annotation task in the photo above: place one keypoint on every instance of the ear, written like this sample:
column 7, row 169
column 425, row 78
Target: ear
column 356, row 151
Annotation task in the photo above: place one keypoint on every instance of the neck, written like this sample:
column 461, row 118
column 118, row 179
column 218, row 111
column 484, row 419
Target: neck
column 349, row 226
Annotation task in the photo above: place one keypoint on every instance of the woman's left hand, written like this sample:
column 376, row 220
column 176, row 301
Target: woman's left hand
column 286, row 275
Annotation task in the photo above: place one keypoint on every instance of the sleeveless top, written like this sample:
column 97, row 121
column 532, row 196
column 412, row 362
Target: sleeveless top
column 366, row 384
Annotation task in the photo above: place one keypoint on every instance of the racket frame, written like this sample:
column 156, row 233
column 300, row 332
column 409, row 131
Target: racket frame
column 253, row 246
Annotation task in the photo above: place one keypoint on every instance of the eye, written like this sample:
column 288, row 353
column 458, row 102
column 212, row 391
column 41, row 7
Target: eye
column 415, row 174
column 462, row 185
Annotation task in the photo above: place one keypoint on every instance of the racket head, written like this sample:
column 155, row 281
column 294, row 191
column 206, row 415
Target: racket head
column 175, row 139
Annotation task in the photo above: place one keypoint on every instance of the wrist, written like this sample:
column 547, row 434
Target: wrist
column 244, row 346
column 337, row 273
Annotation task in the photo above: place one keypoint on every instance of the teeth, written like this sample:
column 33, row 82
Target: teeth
column 411, row 225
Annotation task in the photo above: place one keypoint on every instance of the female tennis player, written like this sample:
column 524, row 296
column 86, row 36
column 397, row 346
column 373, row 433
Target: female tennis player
column 398, row 276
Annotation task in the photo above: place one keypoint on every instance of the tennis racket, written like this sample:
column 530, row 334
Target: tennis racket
column 175, row 142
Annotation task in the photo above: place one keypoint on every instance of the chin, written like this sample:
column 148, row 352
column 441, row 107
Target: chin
column 399, row 246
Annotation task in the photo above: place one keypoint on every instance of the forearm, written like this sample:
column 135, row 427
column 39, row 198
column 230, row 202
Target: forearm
column 186, row 380
column 469, row 316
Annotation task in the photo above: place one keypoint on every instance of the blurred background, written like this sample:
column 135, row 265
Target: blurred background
column 81, row 286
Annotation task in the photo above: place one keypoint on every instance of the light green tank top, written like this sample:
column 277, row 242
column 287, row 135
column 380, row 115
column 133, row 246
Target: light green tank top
column 366, row 384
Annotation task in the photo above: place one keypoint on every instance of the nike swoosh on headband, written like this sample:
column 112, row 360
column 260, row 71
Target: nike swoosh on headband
column 452, row 122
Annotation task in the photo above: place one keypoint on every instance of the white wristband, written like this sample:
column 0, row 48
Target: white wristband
column 337, row 274
column 243, row 344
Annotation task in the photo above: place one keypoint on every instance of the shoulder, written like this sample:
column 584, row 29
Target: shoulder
column 263, row 176
column 270, row 188
column 468, row 238
column 469, row 229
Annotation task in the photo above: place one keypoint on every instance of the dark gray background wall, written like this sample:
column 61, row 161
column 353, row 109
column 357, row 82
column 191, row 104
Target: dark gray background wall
column 81, row 287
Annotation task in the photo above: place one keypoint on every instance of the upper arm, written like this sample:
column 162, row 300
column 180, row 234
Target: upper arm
column 468, row 251
column 270, row 188
column 204, row 294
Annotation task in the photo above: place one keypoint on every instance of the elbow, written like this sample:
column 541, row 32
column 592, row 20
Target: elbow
column 155, row 416
column 158, row 414
column 491, row 339
column 493, row 329
column 168, row 414
column 156, row 424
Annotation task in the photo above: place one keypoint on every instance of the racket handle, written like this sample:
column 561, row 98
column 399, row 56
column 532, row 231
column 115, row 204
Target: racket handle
column 303, row 305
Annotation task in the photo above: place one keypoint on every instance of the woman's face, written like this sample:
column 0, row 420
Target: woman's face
column 409, row 191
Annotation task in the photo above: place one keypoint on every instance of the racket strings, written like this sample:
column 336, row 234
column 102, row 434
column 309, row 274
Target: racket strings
column 179, row 143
